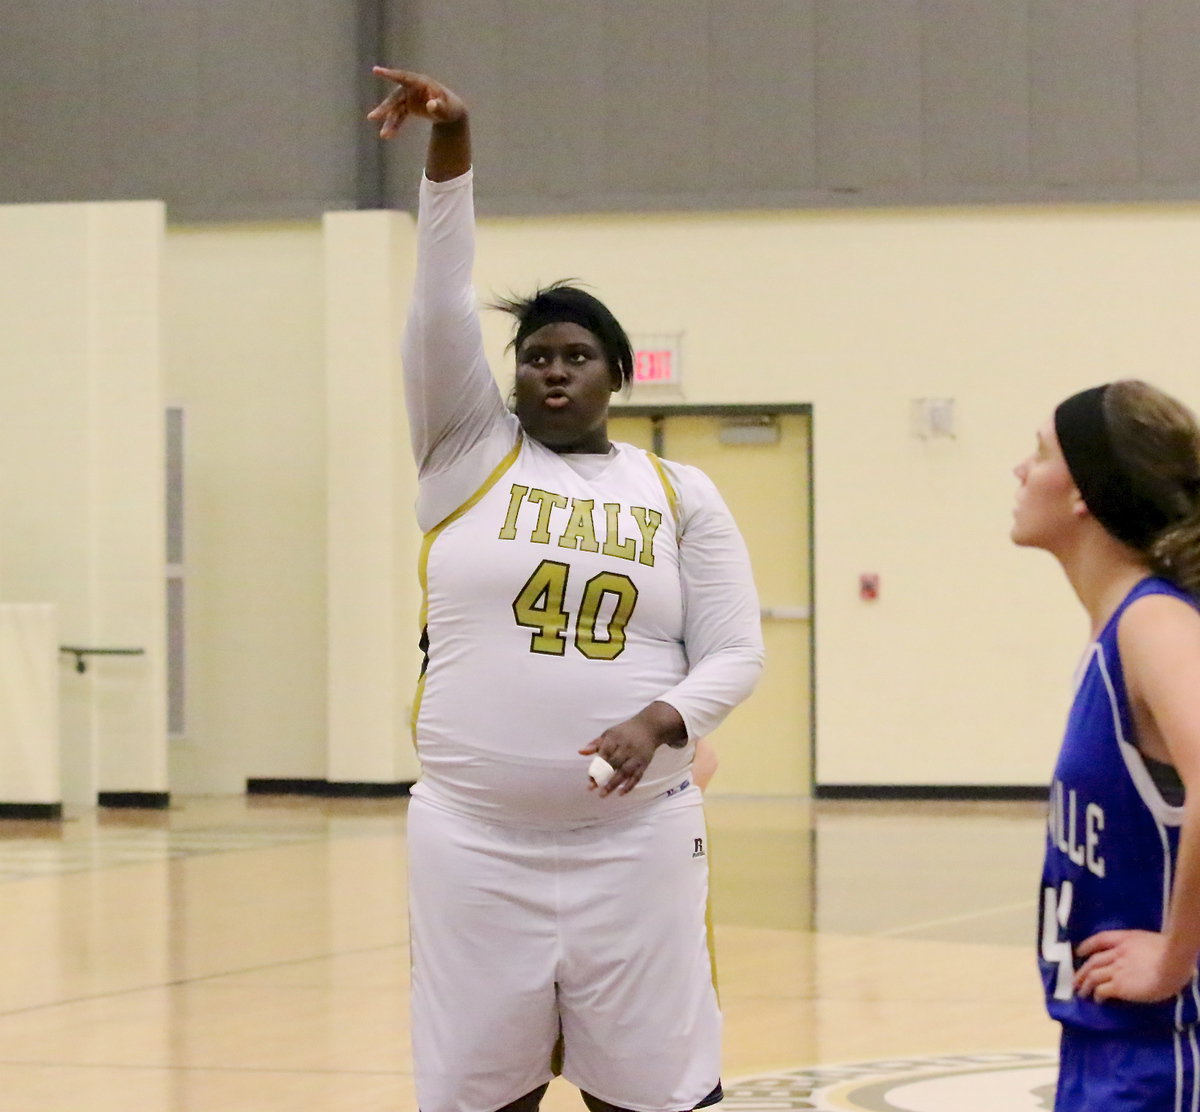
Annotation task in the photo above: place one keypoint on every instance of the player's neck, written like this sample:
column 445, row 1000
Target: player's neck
column 1102, row 574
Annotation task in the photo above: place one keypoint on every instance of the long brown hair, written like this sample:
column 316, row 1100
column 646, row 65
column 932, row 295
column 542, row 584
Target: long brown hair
column 1157, row 439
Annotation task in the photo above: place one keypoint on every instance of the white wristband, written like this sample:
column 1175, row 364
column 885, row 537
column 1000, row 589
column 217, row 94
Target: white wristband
column 600, row 771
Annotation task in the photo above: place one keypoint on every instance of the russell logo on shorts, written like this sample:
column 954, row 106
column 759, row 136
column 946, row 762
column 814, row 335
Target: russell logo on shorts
column 697, row 847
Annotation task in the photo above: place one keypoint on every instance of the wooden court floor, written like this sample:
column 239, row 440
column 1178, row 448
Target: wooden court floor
column 249, row 954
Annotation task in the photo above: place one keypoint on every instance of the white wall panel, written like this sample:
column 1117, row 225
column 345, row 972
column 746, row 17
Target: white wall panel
column 81, row 468
column 30, row 769
column 374, row 599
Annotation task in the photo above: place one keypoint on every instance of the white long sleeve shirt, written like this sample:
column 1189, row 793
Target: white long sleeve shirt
column 519, row 536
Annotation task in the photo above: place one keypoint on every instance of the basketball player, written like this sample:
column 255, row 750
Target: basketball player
column 583, row 598
column 1113, row 491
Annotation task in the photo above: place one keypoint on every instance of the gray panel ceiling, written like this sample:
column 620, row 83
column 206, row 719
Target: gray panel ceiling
column 232, row 109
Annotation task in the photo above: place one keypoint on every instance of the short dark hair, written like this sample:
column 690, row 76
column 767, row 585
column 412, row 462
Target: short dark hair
column 561, row 301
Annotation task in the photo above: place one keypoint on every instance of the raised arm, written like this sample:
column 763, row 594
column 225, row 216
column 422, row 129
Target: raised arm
column 456, row 414
column 449, row 152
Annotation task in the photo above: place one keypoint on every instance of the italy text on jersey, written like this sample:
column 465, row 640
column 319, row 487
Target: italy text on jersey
column 578, row 529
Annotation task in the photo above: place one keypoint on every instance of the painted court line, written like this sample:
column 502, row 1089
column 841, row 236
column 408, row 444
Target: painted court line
column 950, row 920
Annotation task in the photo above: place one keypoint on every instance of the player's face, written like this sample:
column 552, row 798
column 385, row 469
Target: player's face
column 1048, row 502
column 563, row 388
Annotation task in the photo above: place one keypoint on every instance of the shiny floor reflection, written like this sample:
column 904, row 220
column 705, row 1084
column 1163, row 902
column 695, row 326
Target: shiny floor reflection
column 250, row 954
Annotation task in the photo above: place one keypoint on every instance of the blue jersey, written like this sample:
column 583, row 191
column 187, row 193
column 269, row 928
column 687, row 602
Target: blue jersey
column 1111, row 842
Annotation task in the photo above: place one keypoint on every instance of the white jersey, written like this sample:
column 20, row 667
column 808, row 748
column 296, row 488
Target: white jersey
column 564, row 593
column 554, row 611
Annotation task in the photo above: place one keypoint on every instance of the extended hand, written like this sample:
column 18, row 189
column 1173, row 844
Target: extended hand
column 629, row 746
column 1127, row 965
column 414, row 95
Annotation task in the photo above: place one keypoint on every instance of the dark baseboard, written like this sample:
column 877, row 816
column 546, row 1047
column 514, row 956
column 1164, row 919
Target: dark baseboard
column 264, row 786
column 52, row 811
column 144, row 801
column 329, row 789
column 368, row 790
column 947, row 792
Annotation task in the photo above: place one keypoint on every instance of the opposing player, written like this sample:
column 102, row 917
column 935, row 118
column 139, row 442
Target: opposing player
column 1113, row 491
column 583, row 598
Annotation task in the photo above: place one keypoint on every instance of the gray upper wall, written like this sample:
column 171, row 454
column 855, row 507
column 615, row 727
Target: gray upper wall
column 225, row 109
column 236, row 109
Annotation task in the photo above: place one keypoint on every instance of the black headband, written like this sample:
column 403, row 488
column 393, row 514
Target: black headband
column 1104, row 483
column 568, row 304
column 544, row 310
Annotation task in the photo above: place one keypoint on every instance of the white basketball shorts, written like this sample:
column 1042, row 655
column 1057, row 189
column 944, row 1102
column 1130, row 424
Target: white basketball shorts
column 596, row 933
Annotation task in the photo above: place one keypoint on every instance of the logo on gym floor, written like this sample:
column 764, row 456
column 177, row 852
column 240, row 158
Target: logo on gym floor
column 697, row 847
column 1014, row 1082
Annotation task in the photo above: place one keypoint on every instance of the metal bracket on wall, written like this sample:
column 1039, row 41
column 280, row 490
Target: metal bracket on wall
column 81, row 653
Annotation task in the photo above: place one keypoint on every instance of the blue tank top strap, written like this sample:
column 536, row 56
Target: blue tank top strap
column 1151, row 585
column 1108, row 638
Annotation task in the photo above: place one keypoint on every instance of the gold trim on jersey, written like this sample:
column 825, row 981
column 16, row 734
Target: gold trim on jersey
column 709, row 933
column 668, row 488
column 423, row 560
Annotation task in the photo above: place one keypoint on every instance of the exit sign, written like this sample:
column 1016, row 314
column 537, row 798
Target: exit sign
column 656, row 360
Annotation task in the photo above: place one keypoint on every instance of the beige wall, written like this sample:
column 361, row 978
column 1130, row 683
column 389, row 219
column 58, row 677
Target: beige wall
column 958, row 674
column 243, row 321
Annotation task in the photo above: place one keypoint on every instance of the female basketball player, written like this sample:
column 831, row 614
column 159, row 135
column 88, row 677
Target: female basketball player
column 1113, row 491
column 582, row 598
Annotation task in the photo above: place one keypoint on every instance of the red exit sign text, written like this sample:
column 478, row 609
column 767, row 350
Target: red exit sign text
column 656, row 359
column 655, row 365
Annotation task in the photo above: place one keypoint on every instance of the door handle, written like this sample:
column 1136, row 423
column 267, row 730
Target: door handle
column 787, row 613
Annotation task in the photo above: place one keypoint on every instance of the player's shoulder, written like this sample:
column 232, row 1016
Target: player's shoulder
column 451, row 479
column 1160, row 626
column 698, row 501
column 1158, row 604
column 685, row 477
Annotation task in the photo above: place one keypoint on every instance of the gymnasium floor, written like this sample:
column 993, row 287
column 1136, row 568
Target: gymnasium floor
column 250, row 955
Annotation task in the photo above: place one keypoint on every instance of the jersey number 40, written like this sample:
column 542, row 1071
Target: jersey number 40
column 541, row 606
